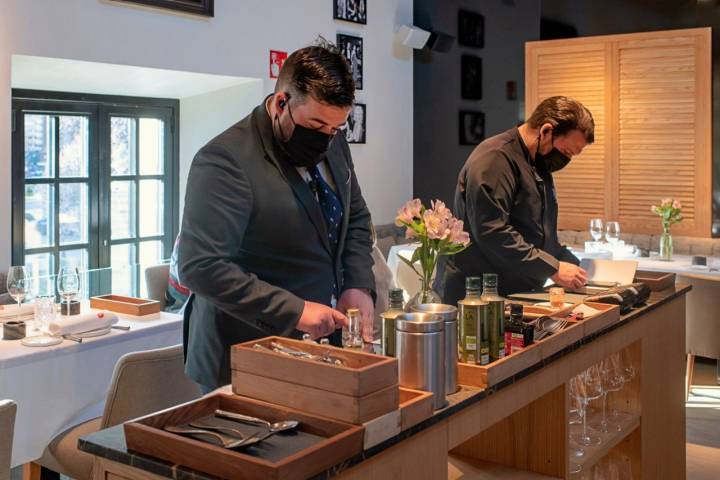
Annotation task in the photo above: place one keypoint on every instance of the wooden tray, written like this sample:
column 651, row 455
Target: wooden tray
column 415, row 406
column 337, row 442
column 488, row 375
column 656, row 281
column 127, row 305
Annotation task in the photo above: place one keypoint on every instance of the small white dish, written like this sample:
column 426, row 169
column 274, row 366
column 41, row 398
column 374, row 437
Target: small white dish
column 41, row 341
column 551, row 307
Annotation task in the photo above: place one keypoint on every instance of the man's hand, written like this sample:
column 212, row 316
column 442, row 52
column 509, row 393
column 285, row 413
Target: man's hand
column 570, row 276
column 320, row 320
column 362, row 300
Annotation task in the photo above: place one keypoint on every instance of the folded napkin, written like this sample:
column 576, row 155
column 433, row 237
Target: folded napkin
column 82, row 323
column 586, row 310
column 7, row 312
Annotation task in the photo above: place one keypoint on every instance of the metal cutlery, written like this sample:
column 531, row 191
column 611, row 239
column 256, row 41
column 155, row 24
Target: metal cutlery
column 325, row 357
column 121, row 327
column 272, row 427
column 233, row 431
column 225, row 441
column 547, row 326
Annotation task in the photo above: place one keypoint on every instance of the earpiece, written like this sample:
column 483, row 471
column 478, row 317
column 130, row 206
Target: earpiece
column 281, row 103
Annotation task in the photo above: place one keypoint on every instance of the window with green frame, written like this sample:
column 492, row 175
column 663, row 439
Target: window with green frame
column 94, row 185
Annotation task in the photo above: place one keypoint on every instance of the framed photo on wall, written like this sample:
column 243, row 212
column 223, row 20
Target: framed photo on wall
column 471, row 29
column 352, row 48
column 471, row 127
column 350, row 10
column 471, row 77
column 356, row 128
column 199, row 7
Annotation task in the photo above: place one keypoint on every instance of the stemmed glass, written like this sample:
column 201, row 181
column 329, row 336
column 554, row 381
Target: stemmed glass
column 627, row 371
column 612, row 381
column 586, row 387
column 596, row 229
column 68, row 284
column 18, row 285
column 612, row 232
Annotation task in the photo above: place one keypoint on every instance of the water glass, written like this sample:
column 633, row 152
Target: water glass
column 612, row 232
column 18, row 285
column 596, row 229
column 44, row 312
column 557, row 297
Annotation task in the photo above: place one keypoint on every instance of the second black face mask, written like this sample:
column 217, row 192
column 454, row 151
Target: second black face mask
column 305, row 147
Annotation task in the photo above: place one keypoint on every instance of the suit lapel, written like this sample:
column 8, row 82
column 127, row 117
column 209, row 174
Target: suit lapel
column 292, row 177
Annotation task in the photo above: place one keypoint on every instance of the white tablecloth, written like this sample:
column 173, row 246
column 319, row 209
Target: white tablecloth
column 61, row 386
column 680, row 264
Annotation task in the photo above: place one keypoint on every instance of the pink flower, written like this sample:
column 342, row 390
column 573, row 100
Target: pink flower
column 410, row 233
column 666, row 202
column 408, row 212
column 676, row 205
column 436, row 224
column 441, row 210
column 457, row 234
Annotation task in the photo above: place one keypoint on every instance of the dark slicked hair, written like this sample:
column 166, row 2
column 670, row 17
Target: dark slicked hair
column 320, row 71
column 564, row 114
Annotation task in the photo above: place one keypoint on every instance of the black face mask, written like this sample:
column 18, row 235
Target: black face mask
column 554, row 160
column 305, row 147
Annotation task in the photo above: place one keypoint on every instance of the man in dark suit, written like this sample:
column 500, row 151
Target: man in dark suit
column 276, row 236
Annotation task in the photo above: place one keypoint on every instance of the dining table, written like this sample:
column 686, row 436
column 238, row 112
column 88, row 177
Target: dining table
column 61, row 386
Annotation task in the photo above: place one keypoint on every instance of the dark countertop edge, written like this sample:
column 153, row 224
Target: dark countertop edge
column 114, row 448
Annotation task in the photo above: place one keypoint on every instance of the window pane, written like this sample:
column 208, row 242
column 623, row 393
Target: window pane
column 39, row 216
column 122, row 261
column 43, row 271
column 39, row 146
column 122, row 209
column 122, row 146
column 74, row 146
column 151, row 146
column 73, row 213
column 152, row 207
column 74, row 258
column 150, row 254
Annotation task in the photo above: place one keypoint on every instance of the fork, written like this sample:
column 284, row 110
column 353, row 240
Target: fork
column 219, row 428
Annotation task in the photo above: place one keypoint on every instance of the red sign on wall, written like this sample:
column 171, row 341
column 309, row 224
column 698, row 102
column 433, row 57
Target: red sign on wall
column 276, row 62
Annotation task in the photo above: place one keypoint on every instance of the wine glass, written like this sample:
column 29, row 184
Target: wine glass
column 18, row 285
column 612, row 232
column 596, row 229
column 586, row 387
column 612, row 381
column 68, row 284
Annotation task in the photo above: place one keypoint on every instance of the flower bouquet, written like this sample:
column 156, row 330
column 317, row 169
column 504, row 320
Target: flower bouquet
column 670, row 212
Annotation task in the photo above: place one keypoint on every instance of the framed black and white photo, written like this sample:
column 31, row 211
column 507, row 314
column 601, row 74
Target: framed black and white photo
column 198, row 7
column 471, row 29
column 352, row 48
column 356, row 127
column 350, row 10
column 472, row 127
column 471, row 77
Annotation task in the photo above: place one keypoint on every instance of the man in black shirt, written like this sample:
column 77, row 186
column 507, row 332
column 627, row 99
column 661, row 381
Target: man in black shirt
column 506, row 197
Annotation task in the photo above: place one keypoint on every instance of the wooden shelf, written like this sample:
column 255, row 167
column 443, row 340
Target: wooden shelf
column 609, row 440
column 464, row 468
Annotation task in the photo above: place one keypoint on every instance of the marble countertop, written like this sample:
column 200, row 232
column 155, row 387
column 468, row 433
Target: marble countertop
column 110, row 443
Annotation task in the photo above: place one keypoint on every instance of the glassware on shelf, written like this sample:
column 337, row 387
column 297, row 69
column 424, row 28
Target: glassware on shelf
column 612, row 232
column 586, row 387
column 68, row 284
column 596, row 229
column 18, row 285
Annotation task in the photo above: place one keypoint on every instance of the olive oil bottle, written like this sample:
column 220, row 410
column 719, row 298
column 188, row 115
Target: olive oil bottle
column 495, row 316
column 395, row 308
column 473, row 342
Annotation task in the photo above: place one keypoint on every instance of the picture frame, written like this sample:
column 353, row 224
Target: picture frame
column 471, row 127
column 206, row 8
column 354, row 11
column 471, row 77
column 471, row 29
column 352, row 47
column 356, row 131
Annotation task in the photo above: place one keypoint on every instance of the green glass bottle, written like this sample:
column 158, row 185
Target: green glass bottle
column 495, row 317
column 395, row 308
column 473, row 342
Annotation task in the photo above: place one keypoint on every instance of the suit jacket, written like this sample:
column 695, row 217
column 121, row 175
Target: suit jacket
column 508, row 204
column 254, row 245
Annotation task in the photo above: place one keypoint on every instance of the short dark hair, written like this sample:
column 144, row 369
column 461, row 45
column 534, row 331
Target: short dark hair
column 564, row 114
column 320, row 71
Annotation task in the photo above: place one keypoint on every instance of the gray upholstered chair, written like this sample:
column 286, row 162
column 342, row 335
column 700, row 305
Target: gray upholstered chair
column 142, row 383
column 702, row 320
column 7, row 428
column 156, row 278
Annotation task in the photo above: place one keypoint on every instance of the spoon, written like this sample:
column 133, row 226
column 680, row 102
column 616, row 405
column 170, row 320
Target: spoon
column 272, row 427
column 233, row 431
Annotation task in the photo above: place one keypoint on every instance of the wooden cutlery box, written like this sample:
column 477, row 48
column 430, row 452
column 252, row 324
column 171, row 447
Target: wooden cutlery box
column 366, row 387
column 126, row 305
column 316, row 445
column 488, row 375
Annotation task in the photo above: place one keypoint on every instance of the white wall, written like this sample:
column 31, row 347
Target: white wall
column 235, row 42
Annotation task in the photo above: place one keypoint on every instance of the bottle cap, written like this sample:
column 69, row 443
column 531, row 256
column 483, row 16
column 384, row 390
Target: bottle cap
column 352, row 311
column 473, row 283
column 490, row 280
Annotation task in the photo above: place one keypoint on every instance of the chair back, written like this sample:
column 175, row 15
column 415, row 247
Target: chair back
column 8, row 408
column 145, row 382
column 156, row 278
column 702, row 315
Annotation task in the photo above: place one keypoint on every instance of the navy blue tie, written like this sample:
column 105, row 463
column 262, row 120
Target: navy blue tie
column 330, row 205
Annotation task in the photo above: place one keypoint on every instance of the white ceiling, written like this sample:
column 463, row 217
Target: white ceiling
column 62, row 75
